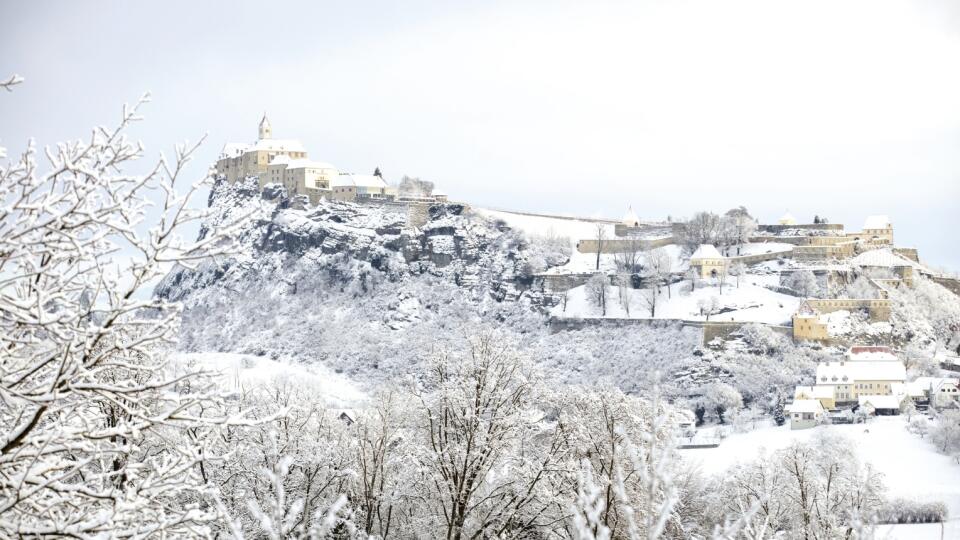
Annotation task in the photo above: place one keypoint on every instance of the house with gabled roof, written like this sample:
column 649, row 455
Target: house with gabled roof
column 708, row 262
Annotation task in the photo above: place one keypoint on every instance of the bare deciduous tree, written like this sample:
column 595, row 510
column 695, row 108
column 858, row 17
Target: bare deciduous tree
column 601, row 237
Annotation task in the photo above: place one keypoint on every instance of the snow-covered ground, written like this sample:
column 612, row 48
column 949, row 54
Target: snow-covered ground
column 841, row 323
column 758, row 249
column 911, row 466
column 751, row 302
column 587, row 262
column 240, row 371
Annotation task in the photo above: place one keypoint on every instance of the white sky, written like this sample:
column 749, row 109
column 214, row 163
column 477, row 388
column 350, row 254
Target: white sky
column 839, row 108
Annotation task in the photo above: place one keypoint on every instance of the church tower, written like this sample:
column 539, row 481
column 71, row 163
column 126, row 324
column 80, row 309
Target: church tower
column 266, row 132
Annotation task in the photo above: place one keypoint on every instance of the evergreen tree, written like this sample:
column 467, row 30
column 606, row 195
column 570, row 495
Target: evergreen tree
column 376, row 172
column 778, row 411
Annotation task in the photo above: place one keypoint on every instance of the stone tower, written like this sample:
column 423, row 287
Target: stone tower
column 266, row 132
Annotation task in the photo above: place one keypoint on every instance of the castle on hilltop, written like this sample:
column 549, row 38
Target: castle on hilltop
column 285, row 162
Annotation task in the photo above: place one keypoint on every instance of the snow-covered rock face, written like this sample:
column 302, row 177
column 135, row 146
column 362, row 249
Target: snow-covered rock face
column 337, row 259
column 454, row 244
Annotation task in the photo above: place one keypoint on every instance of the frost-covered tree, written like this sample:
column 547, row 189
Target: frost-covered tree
column 812, row 489
column 804, row 282
column 623, row 290
column 738, row 270
column 722, row 399
column 487, row 455
column 702, row 228
column 596, row 290
column 860, row 288
column 659, row 268
column 93, row 422
column 739, row 225
column 629, row 257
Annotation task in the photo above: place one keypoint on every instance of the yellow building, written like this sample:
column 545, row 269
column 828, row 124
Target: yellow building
column 708, row 262
column 878, row 228
column 807, row 325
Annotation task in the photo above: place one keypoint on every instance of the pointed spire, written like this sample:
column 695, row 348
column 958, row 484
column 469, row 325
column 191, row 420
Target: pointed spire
column 265, row 132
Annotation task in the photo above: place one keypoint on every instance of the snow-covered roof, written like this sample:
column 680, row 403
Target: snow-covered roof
column 876, row 222
column 281, row 159
column 804, row 406
column 706, row 251
column 881, row 402
column 846, row 372
column 234, row 149
column 813, row 392
column 787, row 219
column 883, row 257
column 277, row 145
column 871, row 352
column 920, row 385
column 358, row 180
column 630, row 218
column 306, row 163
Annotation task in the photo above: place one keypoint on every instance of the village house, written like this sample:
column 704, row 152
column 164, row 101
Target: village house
column 707, row 262
column 804, row 413
column 937, row 391
column 351, row 187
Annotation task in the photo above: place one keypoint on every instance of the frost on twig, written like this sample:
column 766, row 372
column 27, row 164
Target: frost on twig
column 11, row 82
column 92, row 418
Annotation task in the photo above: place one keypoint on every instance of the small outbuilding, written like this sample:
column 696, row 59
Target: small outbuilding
column 805, row 413
column 881, row 405
column 708, row 262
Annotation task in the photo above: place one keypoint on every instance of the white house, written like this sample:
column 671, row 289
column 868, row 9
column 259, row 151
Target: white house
column 939, row 390
column 804, row 413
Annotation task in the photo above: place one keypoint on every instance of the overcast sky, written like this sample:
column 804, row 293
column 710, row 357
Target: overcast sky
column 836, row 108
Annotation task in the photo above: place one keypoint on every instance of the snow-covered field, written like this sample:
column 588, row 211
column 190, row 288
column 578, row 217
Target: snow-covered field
column 758, row 249
column 239, row 371
column 911, row 466
column 574, row 229
column 751, row 302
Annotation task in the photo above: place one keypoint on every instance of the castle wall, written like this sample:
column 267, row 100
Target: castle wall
column 623, row 245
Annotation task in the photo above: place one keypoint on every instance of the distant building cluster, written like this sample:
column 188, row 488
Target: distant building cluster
column 285, row 162
column 870, row 379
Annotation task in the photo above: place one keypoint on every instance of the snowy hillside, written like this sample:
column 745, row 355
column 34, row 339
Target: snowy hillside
column 750, row 302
